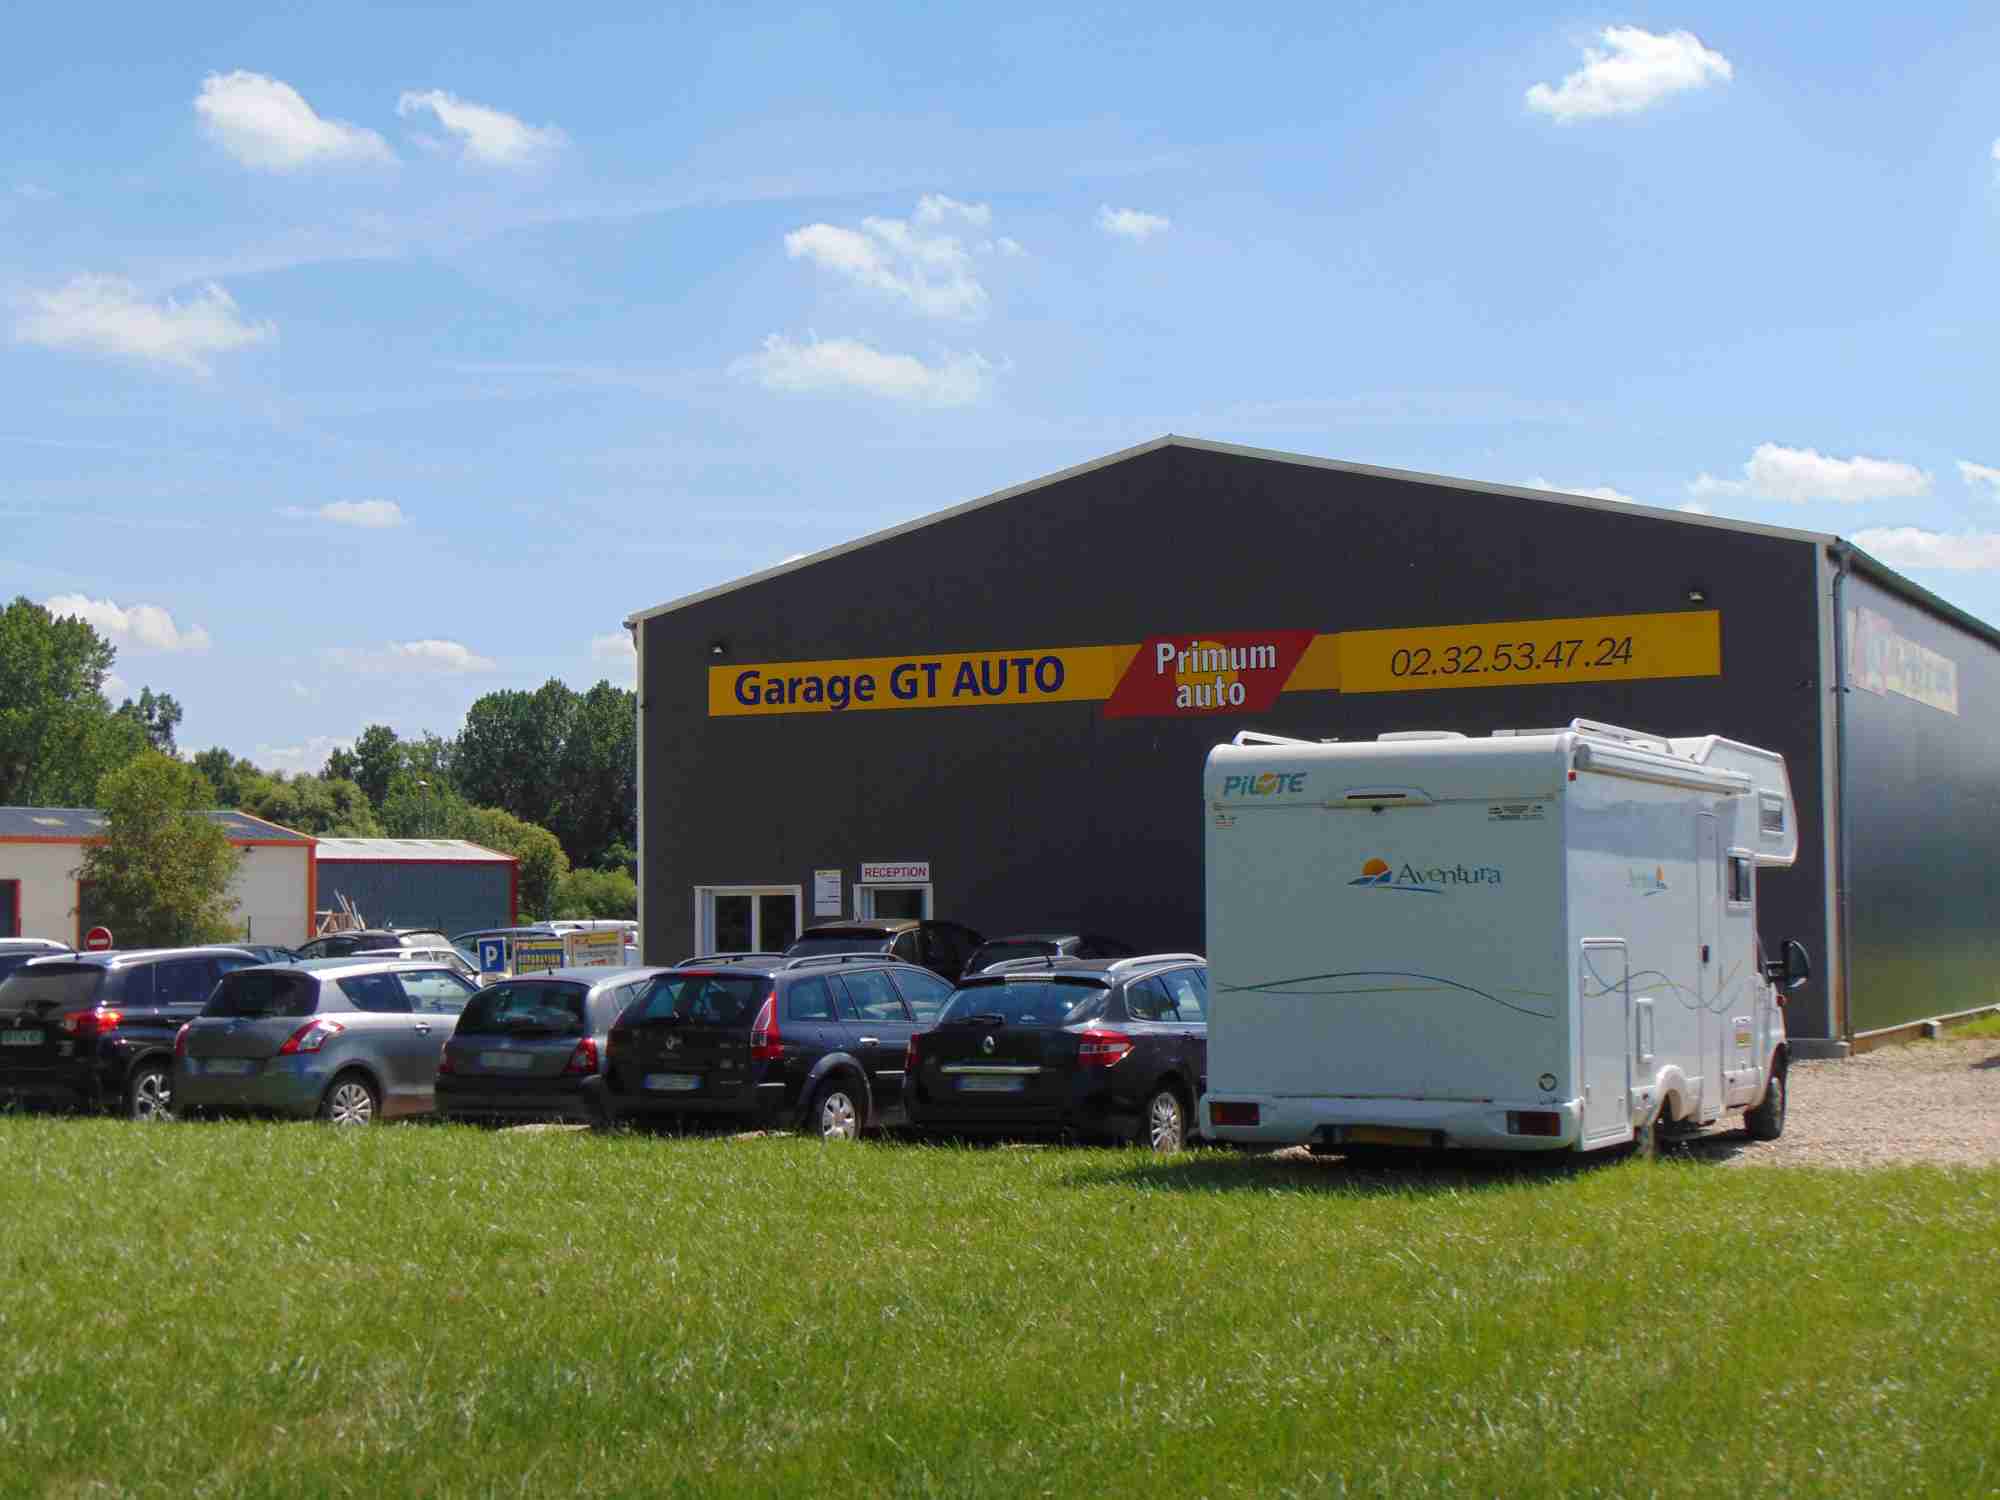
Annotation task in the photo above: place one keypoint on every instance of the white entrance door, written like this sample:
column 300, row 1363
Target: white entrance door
column 1604, row 1000
column 746, row 918
column 1708, row 924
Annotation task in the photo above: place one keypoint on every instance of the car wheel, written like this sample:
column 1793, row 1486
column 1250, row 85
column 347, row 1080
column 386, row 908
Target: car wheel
column 835, row 1116
column 351, row 1101
column 1766, row 1121
column 150, row 1094
column 1166, row 1121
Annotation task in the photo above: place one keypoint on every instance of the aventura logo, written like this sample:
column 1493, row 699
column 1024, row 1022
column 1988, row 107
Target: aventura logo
column 1264, row 784
column 1431, row 880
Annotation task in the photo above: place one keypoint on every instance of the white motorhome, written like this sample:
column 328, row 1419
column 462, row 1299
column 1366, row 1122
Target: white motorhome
column 1545, row 940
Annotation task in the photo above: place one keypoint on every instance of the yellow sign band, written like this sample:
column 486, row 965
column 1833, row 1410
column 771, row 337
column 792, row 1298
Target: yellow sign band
column 1590, row 648
column 1064, row 674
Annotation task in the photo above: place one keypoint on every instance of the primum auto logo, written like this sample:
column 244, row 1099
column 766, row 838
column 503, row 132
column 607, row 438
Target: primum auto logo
column 1432, row 880
column 1264, row 784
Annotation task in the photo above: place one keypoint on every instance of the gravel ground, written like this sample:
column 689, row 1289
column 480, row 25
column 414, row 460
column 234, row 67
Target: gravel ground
column 1920, row 1102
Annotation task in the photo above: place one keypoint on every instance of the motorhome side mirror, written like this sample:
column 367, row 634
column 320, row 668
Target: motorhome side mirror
column 1792, row 968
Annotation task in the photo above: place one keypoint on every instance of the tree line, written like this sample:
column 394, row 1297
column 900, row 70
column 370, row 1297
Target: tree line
column 549, row 776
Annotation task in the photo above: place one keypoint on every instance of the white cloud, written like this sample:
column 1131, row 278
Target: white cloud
column 1975, row 475
column 1795, row 476
column 144, row 625
column 428, row 658
column 369, row 515
column 116, row 688
column 267, row 124
column 616, row 648
column 107, row 315
column 1595, row 491
column 486, row 135
column 1996, row 150
column 1637, row 69
column 1913, row 547
column 1131, row 223
column 298, row 760
column 907, row 260
column 817, row 366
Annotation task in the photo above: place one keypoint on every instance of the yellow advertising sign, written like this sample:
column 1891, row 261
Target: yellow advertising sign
column 537, row 955
column 585, row 950
column 1592, row 648
column 1242, row 671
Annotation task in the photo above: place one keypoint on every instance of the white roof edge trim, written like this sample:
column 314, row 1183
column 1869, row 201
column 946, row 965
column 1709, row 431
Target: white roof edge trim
column 1234, row 450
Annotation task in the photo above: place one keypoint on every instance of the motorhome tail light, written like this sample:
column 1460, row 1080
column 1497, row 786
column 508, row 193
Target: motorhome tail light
column 1102, row 1049
column 310, row 1037
column 82, row 1023
column 584, row 1058
column 1233, row 1114
column 766, row 1044
column 181, row 1039
column 1534, row 1122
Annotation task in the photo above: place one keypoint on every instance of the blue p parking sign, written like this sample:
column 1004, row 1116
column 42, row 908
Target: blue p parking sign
column 492, row 955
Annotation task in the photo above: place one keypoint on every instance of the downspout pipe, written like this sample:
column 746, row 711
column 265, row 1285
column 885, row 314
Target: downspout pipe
column 1843, row 562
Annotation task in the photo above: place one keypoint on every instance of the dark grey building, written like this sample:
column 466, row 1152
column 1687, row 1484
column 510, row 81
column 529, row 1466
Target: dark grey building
column 999, row 713
column 448, row 884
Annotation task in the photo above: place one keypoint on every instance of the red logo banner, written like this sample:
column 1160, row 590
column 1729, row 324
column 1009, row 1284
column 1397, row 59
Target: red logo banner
column 1179, row 676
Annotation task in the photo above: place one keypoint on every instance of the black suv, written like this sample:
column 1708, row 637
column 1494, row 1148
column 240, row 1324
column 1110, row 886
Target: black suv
column 1067, row 1048
column 812, row 1042
column 1000, row 950
column 96, row 1030
column 15, row 952
column 373, row 941
column 941, row 947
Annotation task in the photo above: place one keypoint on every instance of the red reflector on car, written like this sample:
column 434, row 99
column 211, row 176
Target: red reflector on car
column 1233, row 1114
column 1533, row 1122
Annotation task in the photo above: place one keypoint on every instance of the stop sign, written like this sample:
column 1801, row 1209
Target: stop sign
column 97, row 940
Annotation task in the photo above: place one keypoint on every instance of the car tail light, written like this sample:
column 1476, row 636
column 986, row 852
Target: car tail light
column 310, row 1037
column 1533, row 1122
column 912, row 1055
column 584, row 1058
column 445, row 1064
column 83, row 1023
column 1233, row 1114
column 1102, row 1049
column 766, row 1045
column 181, row 1039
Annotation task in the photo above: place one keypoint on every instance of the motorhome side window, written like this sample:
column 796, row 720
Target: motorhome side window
column 1739, row 879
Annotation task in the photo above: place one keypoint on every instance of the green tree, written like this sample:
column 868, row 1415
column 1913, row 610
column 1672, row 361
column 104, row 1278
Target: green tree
column 57, row 734
column 156, row 714
column 160, row 878
column 543, row 863
column 378, row 756
column 597, row 893
column 319, row 805
column 342, row 765
column 227, row 774
column 566, row 760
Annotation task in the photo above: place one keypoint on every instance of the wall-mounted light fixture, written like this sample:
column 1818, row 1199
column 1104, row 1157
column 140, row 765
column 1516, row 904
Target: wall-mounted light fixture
column 717, row 648
column 1696, row 594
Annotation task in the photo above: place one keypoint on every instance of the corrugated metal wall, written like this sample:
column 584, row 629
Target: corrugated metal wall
column 405, row 893
column 1920, row 777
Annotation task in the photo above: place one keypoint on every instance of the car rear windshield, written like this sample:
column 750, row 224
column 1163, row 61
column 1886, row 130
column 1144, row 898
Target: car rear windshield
column 703, row 999
column 839, row 942
column 1000, row 953
column 50, row 986
column 1047, row 1002
column 522, row 1008
column 249, row 993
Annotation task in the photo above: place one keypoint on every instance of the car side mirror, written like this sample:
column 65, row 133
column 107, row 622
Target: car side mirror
column 1791, row 968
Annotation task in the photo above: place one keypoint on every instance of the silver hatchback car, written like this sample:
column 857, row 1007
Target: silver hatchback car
column 350, row 1040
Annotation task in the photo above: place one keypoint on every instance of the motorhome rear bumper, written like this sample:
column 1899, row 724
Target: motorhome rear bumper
column 1472, row 1125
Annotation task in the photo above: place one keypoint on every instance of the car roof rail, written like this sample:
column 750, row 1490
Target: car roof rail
column 723, row 958
column 806, row 960
column 1032, row 961
column 1146, row 960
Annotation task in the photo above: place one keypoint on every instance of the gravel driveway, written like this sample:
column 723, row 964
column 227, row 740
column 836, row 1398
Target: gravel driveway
column 1921, row 1102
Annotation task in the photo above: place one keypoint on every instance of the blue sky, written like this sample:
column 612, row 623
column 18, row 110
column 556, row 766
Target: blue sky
column 358, row 361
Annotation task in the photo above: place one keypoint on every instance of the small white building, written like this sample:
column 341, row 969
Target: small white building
column 41, row 849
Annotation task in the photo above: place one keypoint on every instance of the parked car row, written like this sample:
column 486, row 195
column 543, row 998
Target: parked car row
column 950, row 950
column 832, row 1043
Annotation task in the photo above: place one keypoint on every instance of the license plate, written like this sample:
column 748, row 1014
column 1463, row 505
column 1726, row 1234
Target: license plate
column 979, row 1084
column 507, row 1062
column 1384, row 1135
column 235, row 1065
column 673, row 1083
column 28, row 1038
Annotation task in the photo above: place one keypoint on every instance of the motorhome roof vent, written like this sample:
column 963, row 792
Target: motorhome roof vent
column 1421, row 734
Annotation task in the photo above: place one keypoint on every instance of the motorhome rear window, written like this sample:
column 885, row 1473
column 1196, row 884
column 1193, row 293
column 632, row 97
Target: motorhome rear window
column 1771, row 813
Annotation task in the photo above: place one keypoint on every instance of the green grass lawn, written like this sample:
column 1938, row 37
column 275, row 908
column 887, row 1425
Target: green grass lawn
column 1985, row 1026
column 291, row 1310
